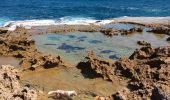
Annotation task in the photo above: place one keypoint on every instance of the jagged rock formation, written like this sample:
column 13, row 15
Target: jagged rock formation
column 10, row 88
column 148, row 71
column 18, row 44
column 99, row 66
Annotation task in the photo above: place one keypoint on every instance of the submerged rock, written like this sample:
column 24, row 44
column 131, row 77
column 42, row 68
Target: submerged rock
column 69, row 48
column 10, row 88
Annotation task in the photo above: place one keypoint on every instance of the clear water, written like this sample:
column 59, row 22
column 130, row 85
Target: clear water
column 97, row 9
column 74, row 46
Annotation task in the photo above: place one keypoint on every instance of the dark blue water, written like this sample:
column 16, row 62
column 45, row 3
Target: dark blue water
column 97, row 9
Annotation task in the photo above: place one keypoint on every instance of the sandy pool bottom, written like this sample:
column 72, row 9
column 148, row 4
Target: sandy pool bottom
column 71, row 79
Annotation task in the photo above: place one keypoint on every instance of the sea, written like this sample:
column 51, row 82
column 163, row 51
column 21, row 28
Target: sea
column 72, row 11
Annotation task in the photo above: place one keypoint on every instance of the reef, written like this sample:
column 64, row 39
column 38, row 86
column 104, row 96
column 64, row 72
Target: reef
column 10, row 87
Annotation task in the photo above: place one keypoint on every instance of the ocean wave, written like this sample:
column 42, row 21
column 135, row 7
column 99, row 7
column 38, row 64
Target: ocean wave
column 3, row 21
column 12, row 25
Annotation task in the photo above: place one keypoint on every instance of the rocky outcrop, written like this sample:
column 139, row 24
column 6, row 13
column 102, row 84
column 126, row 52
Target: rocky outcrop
column 18, row 44
column 148, row 71
column 109, row 32
column 143, row 53
column 10, row 88
column 130, row 31
column 2, row 31
column 160, row 30
column 149, row 53
column 99, row 66
column 143, row 43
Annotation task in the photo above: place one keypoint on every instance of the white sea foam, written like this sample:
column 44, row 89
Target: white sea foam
column 76, row 20
column 12, row 25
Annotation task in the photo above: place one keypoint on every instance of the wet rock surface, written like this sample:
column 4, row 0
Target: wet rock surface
column 10, row 88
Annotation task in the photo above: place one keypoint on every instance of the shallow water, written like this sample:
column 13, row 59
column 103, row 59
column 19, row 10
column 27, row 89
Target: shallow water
column 71, row 79
column 9, row 61
column 74, row 46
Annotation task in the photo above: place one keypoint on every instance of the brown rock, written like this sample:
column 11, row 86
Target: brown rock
column 109, row 32
column 98, row 66
column 2, row 31
column 10, row 88
column 143, row 43
column 143, row 53
column 19, row 45
column 160, row 30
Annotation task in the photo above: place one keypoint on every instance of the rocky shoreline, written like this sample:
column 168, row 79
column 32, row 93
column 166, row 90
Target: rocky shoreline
column 147, row 69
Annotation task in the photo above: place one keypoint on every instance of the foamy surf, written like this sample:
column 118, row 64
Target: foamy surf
column 28, row 24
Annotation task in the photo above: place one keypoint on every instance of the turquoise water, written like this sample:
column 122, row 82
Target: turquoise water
column 74, row 46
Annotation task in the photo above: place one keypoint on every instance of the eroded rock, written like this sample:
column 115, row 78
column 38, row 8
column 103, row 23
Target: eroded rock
column 148, row 72
column 10, row 88
column 20, row 45
column 98, row 66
